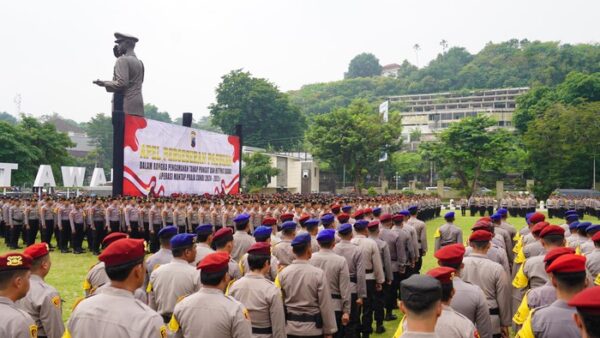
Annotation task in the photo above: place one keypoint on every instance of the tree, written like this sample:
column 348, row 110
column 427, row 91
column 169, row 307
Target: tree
column 417, row 48
column 470, row 148
column 8, row 118
column 354, row 137
column 16, row 149
column 151, row 112
column 363, row 65
column 267, row 116
column 562, row 143
column 100, row 131
column 258, row 171
column 408, row 165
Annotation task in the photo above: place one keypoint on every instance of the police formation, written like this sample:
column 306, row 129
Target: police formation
column 298, row 266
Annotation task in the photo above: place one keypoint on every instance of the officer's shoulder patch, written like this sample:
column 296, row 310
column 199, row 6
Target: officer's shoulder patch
column 246, row 313
column 163, row 331
column 181, row 298
column 56, row 301
column 33, row 331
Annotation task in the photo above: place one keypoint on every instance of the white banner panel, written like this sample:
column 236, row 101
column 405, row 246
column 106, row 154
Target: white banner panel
column 162, row 159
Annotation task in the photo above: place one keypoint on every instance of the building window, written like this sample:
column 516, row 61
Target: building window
column 447, row 116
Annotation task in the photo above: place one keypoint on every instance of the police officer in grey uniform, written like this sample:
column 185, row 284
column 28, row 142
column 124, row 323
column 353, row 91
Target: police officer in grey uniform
column 209, row 312
column 283, row 249
column 419, row 227
column 96, row 276
column 223, row 241
column 16, row 218
column 448, row 233
column 398, row 262
column 14, row 285
column 261, row 234
column 593, row 259
column 42, row 302
column 115, row 312
column 204, row 237
column 306, row 295
column 384, row 252
column 337, row 274
column 169, row 282
column 468, row 299
column 259, row 295
column 32, row 221
column 356, row 268
column 164, row 255
column 241, row 239
column 421, row 303
column 556, row 320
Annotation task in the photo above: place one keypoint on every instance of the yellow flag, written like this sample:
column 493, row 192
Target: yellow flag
column 437, row 233
column 526, row 331
column 522, row 312
column 520, row 280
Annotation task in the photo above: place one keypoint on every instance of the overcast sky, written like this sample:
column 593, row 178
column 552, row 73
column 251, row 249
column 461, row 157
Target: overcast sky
column 53, row 50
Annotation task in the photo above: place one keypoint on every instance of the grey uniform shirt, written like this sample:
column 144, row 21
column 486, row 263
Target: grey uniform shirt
column 263, row 301
column 448, row 234
column 554, row 321
column 245, row 267
column 210, row 313
column 470, row 301
column 95, row 278
column 306, row 292
column 356, row 266
column 592, row 264
column 115, row 313
column 421, row 232
column 43, row 304
column 336, row 271
column 373, row 264
column 408, row 334
column 386, row 258
column 284, row 253
column 495, row 253
column 451, row 324
column 161, row 257
column 541, row 296
column 493, row 280
column 241, row 242
column 397, row 250
column 169, row 282
column 14, row 322
column 535, row 271
column 202, row 250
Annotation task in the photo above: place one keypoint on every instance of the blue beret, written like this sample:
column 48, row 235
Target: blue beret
column 326, row 235
column 241, row 218
column 204, row 229
column 503, row 211
column 528, row 216
column 345, row 228
column 584, row 225
column 182, row 241
column 404, row 213
column 301, row 239
column 413, row 208
column 496, row 217
column 263, row 232
column 594, row 227
column 361, row 224
column 311, row 222
column 572, row 217
column 345, row 208
column 449, row 214
column 327, row 218
column 170, row 230
column 289, row 225
column 570, row 212
column 376, row 210
column 573, row 225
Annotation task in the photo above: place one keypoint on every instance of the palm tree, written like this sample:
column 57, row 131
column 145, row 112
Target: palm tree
column 417, row 48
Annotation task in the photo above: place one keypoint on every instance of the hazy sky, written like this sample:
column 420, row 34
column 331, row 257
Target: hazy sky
column 53, row 50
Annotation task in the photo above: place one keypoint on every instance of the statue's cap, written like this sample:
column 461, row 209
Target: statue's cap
column 121, row 37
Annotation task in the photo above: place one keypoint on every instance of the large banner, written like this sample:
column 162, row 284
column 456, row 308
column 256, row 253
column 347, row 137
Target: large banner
column 162, row 159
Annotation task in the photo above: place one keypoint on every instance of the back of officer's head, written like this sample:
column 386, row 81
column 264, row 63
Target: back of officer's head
column 214, row 269
column 123, row 260
column 568, row 273
column 421, row 296
column 587, row 318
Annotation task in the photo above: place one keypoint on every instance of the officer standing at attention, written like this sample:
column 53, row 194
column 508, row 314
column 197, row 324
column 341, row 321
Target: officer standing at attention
column 209, row 312
column 204, row 237
column 115, row 312
column 262, row 234
column 468, row 299
column 259, row 295
column 419, row 227
column 356, row 267
column 164, row 255
column 556, row 320
column 96, row 276
column 14, row 285
column 42, row 302
column 306, row 295
column 587, row 303
column 421, row 304
column 241, row 239
column 447, row 233
column 384, row 252
column 398, row 261
column 169, row 282
column 491, row 278
column 336, row 272
column 283, row 249
column 223, row 242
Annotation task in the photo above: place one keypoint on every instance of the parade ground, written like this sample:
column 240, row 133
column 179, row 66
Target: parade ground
column 69, row 270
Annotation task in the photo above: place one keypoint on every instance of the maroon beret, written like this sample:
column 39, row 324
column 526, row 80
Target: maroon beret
column 260, row 248
column 37, row 250
column 557, row 252
column 587, row 301
column 481, row 236
column 385, row 218
column 442, row 273
column 536, row 218
column 538, row 227
column 221, row 233
column 112, row 237
column 122, row 251
column 552, row 230
column 450, row 254
column 214, row 262
column 569, row 263
column 343, row 218
column 286, row 217
column 15, row 261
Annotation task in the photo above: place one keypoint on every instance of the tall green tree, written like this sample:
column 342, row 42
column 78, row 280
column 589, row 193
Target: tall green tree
column 267, row 116
column 363, row 65
column 470, row 148
column 151, row 112
column 562, row 144
column 100, row 131
column 8, row 118
column 16, row 149
column 354, row 137
column 258, row 171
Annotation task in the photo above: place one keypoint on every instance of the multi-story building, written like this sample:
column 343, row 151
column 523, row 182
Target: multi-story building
column 426, row 114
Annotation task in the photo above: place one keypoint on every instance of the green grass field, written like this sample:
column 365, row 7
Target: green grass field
column 69, row 270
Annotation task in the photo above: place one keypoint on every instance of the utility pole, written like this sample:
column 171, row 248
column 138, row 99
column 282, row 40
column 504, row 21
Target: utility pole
column 18, row 101
column 417, row 48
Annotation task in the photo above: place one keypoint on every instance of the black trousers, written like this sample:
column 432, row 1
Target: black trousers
column 350, row 330
column 136, row 232
column 34, row 227
column 77, row 237
column 15, row 232
column 368, row 306
column 89, row 234
column 481, row 211
column 419, row 263
column 472, row 210
column 463, row 210
column 3, row 232
column 154, row 241
column 490, row 210
column 98, row 233
column 181, row 229
column 115, row 226
column 378, row 306
column 65, row 235
column 47, row 232
column 147, row 232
